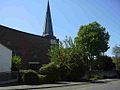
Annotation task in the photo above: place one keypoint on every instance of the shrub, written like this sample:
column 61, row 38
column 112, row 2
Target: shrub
column 20, row 76
column 69, row 58
column 77, row 72
column 95, row 76
column 103, row 63
column 108, row 63
column 72, row 71
column 116, row 60
column 29, row 77
column 64, row 71
column 16, row 62
column 42, row 79
column 51, row 71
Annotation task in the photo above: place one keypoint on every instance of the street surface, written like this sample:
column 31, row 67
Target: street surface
column 115, row 85
column 108, row 84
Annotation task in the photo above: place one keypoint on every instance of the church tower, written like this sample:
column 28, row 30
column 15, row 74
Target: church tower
column 48, row 28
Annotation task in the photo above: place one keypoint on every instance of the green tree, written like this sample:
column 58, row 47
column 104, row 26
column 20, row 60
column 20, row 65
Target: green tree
column 67, row 56
column 16, row 61
column 92, row 40
column 116, row 52
column 61, row 52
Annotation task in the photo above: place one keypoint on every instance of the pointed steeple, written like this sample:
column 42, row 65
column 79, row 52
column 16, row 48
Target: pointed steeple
column 48, row 29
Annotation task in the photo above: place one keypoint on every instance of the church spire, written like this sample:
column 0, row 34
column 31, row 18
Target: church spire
column 48, row 29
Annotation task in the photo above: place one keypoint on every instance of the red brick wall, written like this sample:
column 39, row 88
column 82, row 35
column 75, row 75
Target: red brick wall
column 30, row 47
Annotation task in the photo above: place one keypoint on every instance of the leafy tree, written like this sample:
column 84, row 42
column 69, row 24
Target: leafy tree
column 92, row 40
column 67, row 56
column 116, row 52
column 16, row 61
column 60, row 53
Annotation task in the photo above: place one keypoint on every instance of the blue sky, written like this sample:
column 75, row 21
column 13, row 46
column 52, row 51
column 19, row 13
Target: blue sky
column 67, row 16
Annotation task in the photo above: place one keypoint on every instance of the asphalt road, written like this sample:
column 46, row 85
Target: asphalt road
column 114, row 85
column 105, row 84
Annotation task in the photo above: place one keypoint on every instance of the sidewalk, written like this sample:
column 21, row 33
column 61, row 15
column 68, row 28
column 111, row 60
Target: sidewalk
column 60, row 84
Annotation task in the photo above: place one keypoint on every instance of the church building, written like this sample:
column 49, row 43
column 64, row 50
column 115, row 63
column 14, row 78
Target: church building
column 33, row 49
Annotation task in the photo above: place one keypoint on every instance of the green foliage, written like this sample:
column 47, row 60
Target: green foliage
column 42, row 79
column 51, row 71
column 103, row 63
column 92, row 40
column 72, row 71
column 29, row 77
column 116, row 60
column 64, row 52
column 75, row 57
column 16, row 61
column 60, row 53
column 68, row 58
column 116, row 51
column 95, row 76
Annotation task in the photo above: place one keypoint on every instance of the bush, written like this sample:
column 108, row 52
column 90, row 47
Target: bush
column 16, row 62
column 42, row 79
column 51, row 71
column 103, row 63
column 116, row 60
column 95, row 76
column 29, row 77
column 108, row 63
column 69, row 58
column 77, row 72
column 64, row 72
column 72, row 71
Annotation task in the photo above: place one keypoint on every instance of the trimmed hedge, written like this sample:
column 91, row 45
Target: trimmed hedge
column 28, row 77
column 42, row 79
column 51, row 72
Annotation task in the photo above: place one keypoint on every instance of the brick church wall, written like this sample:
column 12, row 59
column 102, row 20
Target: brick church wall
column 31, row 48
